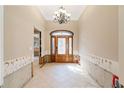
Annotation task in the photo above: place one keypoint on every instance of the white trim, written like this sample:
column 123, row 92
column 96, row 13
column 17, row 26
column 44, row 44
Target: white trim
column 105, row 63
column 1, row 46
column 15, row 64
column 39, row 28
column 42, row 30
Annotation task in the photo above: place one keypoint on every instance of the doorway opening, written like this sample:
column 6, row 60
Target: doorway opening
column 61, row 46
column 37, row 45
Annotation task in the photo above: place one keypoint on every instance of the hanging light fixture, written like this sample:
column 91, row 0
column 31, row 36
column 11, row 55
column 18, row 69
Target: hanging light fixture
column 61, row 16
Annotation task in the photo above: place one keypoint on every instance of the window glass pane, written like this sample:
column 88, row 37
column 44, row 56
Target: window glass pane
column 36, row 35
column 61, row 46
column 62, row 33
column 53, row 45
column 56, row 33
column 70, row 45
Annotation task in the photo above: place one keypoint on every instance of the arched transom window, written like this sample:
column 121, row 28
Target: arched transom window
column 62, row 33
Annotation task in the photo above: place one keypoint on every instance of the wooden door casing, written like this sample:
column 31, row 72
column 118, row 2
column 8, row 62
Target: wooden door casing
column 55, row 57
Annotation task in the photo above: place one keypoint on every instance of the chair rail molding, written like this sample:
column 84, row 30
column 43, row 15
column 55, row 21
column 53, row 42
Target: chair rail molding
column 13, row 65
column 1, row 46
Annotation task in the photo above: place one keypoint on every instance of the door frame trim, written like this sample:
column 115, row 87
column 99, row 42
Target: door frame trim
column 64, row 36
column 40, row 33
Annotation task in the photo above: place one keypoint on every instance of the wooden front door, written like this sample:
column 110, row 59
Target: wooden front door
column 61, row 48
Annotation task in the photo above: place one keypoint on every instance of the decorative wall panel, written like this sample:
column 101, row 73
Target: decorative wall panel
column 13, row 65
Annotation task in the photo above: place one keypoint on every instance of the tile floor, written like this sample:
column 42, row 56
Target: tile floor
column 60, row 75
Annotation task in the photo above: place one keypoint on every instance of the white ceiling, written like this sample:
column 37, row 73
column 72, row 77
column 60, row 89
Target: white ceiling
column 75, row 10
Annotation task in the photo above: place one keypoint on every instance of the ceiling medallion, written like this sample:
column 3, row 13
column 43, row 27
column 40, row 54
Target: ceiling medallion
column 61, row 16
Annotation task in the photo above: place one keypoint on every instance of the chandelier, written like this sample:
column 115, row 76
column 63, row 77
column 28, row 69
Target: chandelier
column 61, row 16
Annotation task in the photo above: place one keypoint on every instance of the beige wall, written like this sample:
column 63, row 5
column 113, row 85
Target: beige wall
column 98, row 31
column 1, row 45
column 19, row 23
column 121, row 43
column 51, row 26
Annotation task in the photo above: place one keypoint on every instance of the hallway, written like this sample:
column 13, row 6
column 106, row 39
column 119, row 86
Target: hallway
column 88, row 35
column 61, row 75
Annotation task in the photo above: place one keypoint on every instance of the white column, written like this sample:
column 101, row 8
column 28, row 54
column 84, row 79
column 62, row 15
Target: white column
column 1, row 45
column 121, row 43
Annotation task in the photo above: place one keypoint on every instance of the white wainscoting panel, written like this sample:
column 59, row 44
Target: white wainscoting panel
column 13, row 65
column 106, row 64
column 100, row 69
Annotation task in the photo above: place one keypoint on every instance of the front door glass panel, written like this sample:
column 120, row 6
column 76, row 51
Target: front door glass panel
column 53, row 45
column 70, row 46
column 61, row 46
